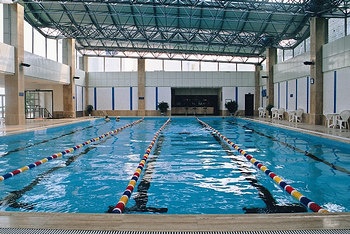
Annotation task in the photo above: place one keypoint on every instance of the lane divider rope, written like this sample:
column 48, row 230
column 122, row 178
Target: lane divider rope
column 288, row 188
column 66, row 151
column 119, row 208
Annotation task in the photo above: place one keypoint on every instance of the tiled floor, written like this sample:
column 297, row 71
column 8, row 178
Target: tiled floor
column 184, row 223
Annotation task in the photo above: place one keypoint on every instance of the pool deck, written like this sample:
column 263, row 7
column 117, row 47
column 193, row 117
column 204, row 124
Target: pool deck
column 249, row 223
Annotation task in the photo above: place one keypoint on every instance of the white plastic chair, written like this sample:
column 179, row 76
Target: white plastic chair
column 332, row 120
column 298, row 115
column 291, row 115
column 280, row 113
column 274, row 113
column 262, row 112
column 329, row 120
column 344, row 118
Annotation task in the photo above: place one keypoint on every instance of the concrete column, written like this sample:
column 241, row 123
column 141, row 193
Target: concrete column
column 271, row 60
column 86, row 88
column 68, row 53
column 318, row 37
column 141, row 82
column 14, row 84
column 257, row 87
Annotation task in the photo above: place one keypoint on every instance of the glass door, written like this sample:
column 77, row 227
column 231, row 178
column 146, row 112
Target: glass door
column 39, row 104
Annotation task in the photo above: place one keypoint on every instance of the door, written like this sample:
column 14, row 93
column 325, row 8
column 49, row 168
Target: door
column 249, row 104
column 39, row 104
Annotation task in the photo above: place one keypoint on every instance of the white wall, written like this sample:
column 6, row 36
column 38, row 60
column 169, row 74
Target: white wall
column 45, row 69
column 336, row 93
column 122, row 98
column 154, row 95
column 104, row 98
column 336, row 83
column 199, row 79
column 125, row 98
column 32, row 84
column 236, row 94
column 79, row 98
column 301, row 94
column 292, row 68
column 112, row 79
column 158, row 87
column 336, row 55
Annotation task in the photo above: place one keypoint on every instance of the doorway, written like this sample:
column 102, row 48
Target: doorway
column 194, row 101
column 249, row 104
column 38, row 104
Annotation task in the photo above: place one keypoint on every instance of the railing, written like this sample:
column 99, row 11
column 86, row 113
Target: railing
column 33, row 112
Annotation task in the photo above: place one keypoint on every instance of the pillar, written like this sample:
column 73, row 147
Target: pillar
column 86, row 88
column 271, row 60
column 14, row 84
column 318, row 37
column 257, row 87
column 141, row 83
column 68, row 53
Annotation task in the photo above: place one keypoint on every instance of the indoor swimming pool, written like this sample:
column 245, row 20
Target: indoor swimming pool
column 190, row 169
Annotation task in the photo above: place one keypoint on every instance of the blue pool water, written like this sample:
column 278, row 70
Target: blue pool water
column 189, row 170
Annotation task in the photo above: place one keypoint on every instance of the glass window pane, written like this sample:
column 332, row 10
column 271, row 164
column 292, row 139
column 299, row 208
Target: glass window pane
column 288, row 54
column 280, row 56
column 112, row 64
column 227, row 67
column 336, row 29
column 209, row 66
column 39, row 44
column 1, row 24
column 307, row 44
column 154, row 65
column 28, row 37
column 245, row 67
column 79, row 61
column 172, row 65
column 59, row 50
column 129, row 64
column 52, row 49
column 190, row 65
column 96, row 64
column 300, row 49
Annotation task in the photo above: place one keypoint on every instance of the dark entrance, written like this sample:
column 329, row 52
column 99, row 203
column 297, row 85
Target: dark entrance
column 186, row 101
column 249, row 104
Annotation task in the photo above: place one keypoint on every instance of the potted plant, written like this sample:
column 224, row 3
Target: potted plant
column 268, row 108
column 231, row 106
column 89, row 109
column 163, row 107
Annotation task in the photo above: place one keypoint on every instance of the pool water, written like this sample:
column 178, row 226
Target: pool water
column 189, row 170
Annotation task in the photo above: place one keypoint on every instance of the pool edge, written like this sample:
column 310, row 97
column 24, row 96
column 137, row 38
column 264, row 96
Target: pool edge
column 189, row 223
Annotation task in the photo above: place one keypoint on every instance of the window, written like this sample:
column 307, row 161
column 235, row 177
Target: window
column 227, row 66
column 52, row 49
column 1, row 25
column 129, row 64
column 112, row 64
column 39, row 44
column 190, row 65
column 209, row 66
column 28, row 37
column 172, row 65
column 154, row 65
column 96, row 64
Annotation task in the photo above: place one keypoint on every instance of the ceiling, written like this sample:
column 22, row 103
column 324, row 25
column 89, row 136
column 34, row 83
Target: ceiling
column 186, row 28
